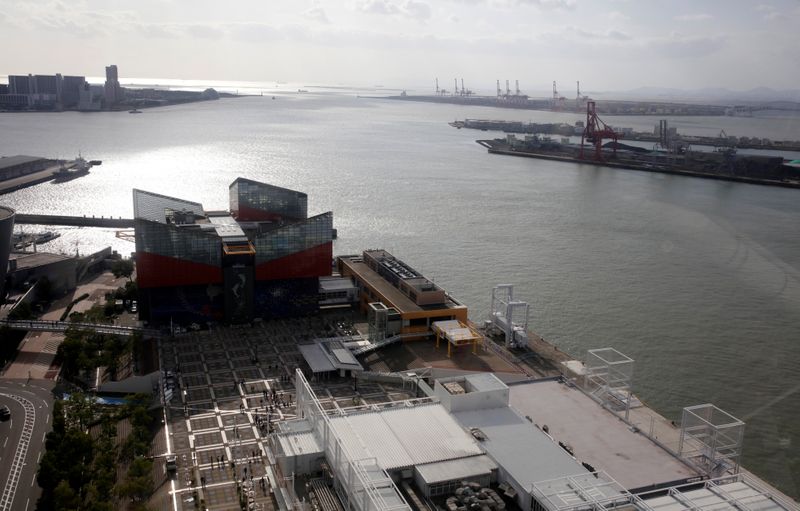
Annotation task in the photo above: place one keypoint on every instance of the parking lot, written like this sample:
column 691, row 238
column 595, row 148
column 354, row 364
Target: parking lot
column 230, row 385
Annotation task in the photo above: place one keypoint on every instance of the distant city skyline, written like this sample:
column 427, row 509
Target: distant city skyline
column 611, row 45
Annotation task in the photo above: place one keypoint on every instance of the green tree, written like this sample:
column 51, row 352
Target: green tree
column 65, row 497
column 123, row 268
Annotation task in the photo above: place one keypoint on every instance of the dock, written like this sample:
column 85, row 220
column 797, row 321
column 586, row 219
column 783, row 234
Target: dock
column 34, row 178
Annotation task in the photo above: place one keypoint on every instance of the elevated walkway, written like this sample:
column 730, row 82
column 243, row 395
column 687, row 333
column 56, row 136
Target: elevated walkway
column 61, row 326
column 78, row 221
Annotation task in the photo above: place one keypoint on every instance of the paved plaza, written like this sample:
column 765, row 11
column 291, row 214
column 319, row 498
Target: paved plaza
column 230, row 387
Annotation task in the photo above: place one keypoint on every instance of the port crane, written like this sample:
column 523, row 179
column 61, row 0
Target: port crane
column 595, row 131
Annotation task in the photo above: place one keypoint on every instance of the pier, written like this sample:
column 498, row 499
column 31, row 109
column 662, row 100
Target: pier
column 33, row 178
column 76, row 221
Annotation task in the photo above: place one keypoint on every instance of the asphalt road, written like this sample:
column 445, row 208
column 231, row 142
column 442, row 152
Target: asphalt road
column 22, row 440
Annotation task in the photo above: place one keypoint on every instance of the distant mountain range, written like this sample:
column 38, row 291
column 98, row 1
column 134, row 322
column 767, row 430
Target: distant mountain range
column 789, row 98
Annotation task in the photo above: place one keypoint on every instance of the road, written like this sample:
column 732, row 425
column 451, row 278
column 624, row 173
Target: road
column 22, row 440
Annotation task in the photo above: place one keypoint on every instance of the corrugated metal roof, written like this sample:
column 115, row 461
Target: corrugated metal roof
column 316, row 358
column 451, row 470
column 406, row 436
column 297, row 444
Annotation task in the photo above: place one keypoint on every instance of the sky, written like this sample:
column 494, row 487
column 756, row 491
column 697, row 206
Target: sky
column 609, row 45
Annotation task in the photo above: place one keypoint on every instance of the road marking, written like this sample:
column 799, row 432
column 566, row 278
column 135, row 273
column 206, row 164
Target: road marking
column 47, row 419
column 4, row 443
column 26, row 503
column 33, row 480
column 17, row 463
column 38, row 456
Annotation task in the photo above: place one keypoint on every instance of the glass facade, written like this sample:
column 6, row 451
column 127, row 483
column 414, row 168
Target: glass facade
column 188, row 244
column 286, row 298
column 254, row 201
column 294, row 238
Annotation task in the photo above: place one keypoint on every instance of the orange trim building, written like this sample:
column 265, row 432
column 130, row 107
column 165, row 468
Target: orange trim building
column 414, row 302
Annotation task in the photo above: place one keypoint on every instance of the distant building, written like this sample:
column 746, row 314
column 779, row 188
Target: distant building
column 71, row 91
column 263, row 259
column 19, row 84
column 113, row 91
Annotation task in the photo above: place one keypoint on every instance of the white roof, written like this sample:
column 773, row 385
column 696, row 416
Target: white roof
column 524, row 452
column 458, row 469
column 297, row 444
column 483, row 382
column 405, row 436
column 226, row 227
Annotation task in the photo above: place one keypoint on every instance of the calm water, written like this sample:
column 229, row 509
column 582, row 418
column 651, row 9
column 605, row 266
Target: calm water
column 698, row 281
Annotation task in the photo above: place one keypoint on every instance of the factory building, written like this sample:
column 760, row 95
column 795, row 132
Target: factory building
column 398, row 298
column 261, row 259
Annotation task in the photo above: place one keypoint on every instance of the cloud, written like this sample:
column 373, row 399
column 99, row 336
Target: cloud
column 317, row 14
column 548, row 4
column 769, row 12
column 408, row 8
column 693, row 17
column 677, row 45
column 617, row 16
column 203, row 31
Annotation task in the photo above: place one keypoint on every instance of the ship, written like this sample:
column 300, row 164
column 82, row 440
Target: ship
column 134, row 111
column 80, row 167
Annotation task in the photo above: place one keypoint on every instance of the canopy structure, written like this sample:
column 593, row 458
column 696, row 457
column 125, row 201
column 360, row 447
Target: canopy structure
column 456, row 333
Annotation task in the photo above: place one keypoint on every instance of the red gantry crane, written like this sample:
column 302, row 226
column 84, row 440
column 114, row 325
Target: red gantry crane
column 595, row 131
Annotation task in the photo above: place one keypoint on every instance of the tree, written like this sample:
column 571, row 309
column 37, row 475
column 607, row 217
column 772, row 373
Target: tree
column 122, row 268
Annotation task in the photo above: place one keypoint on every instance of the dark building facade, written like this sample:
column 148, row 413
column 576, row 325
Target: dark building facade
column 262, row 261
column 6, row 230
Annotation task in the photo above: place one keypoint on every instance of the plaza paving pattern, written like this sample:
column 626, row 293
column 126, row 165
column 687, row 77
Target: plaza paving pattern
column 231, row 386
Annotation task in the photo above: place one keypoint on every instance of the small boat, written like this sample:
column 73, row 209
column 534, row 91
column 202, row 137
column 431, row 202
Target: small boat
column 134, row 111
column 80, row 167
column 45, row 237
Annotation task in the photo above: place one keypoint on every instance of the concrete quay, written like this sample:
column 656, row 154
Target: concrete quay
column 34, row 178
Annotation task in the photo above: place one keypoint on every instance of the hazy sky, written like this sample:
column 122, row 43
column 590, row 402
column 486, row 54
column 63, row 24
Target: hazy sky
column 608, row 45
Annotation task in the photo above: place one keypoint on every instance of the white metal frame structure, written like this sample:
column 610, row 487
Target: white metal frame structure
column 361, row 483
column 593, row 491
column 734, row 492
column 711, row 439
column 504, row 310
column 608, row 379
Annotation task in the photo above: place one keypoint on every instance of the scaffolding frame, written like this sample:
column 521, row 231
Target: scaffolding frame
column 711, row 439
column 595, row 491
column 608, row 380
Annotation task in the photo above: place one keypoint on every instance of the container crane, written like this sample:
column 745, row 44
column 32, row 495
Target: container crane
column 595, row 131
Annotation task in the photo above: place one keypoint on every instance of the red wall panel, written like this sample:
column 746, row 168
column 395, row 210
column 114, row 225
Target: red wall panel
column 313, row 262
column 154, row 270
